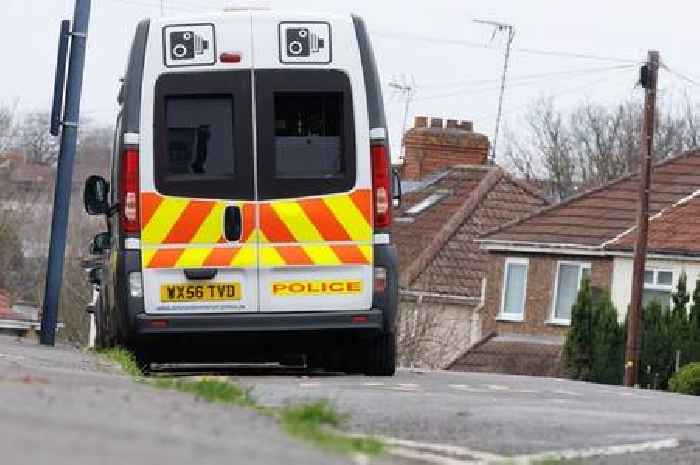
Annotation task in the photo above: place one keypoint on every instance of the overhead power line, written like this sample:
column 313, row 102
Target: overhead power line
column 680, row 75
column 517, row 83
column 533, row 51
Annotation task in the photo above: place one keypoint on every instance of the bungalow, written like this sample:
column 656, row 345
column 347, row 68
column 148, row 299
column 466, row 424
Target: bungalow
column 536, row 264
column 451, row 195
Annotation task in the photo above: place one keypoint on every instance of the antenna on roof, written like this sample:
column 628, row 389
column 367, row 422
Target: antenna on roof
column 510, row 30
column 406, row 89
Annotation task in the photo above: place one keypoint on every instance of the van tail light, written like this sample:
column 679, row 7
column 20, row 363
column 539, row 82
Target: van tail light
column 381, row 185
column 129, row 199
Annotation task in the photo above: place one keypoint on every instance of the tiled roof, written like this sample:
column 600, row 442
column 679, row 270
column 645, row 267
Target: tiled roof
column 675, row 230
column 437, row 252
column 601, row 214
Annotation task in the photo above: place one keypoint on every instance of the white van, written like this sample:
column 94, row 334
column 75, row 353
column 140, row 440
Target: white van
column 250, row 193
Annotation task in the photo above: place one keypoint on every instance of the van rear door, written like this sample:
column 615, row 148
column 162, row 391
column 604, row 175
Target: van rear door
column 313, row 166
column 198, row 212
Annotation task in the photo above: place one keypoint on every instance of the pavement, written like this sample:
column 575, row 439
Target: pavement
column 66, row 406
column 465, row 418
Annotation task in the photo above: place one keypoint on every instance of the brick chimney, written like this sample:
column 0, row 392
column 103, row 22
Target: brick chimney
column 433, row 145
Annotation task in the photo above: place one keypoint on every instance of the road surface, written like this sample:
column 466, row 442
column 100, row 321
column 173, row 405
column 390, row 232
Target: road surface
column 65, row 406
column 469, row 417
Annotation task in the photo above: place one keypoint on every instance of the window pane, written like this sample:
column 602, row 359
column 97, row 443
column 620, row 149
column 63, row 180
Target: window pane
column 567, row 289
column 308, row 129
column 200, row 138
column 586, row 273
column 649, row 277
column 663, row 297
column 664, row 278
column 515, row 288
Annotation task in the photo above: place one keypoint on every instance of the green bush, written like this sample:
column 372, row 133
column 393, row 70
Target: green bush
column 687, row 380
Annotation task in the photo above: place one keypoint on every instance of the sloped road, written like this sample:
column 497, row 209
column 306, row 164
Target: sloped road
column 453, row 418
column 63, row 407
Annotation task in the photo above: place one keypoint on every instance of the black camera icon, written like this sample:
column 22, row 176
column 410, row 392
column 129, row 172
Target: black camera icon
column 185, row 45
column 302, row 43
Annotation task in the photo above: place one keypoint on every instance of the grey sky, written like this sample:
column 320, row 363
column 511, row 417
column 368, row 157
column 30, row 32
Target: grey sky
column 622, row 28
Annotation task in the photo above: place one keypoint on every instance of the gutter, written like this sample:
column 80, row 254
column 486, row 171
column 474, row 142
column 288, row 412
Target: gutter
column 539, row 247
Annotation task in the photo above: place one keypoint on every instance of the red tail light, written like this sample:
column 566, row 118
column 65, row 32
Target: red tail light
column 381, row 186
column 129, row 199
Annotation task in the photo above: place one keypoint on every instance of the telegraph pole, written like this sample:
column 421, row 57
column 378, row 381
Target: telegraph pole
column 509, row 29
column 64, row 173
column 649, row 75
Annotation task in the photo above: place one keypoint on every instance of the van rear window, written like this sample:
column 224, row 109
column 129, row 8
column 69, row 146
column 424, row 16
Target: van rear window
column 203, row 135
column 305, row 133
column 308, row 135
column 200, row 137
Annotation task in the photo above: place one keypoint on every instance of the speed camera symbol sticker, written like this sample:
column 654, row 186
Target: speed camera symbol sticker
column 189, row 45
column 305, row 42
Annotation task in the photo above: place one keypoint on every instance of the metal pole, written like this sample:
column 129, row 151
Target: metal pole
column 511, row 36
column 649, row 81
column 64, row 175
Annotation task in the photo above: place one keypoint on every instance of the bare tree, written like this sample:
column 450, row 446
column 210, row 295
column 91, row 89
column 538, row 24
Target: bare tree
column 34, row 139
column 7, row 127
column 594, row 143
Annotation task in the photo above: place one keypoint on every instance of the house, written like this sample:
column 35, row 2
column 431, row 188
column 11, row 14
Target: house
column 673, row 248
column 536, row 265
column 450, row 196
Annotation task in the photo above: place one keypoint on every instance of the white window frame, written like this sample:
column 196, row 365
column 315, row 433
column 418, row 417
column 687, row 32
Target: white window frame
column 655, row 286
column 513, row 316
column 581, row 266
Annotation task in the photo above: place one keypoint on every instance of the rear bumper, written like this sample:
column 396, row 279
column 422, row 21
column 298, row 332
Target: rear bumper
column 260, row 322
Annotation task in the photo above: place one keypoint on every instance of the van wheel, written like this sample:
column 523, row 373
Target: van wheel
column 102, row 339
column 381, row 357
column 143, row 358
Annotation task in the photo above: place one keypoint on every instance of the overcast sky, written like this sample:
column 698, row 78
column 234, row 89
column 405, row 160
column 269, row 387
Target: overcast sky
column 452, row 80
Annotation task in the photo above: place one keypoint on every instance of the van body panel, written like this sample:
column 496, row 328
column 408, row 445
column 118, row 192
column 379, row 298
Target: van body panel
column 187, row 231
column 306, row 242
column 316, row 250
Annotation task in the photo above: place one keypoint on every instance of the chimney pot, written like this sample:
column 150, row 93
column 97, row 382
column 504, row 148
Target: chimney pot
column 436, row 123
column 467, row 125
column 421, row 122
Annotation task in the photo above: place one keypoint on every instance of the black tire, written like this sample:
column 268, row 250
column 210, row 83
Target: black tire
column 102, row 336
column 143, row 358
column 381, row 356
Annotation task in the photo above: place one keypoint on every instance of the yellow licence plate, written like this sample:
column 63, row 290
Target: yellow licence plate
column 205, row 292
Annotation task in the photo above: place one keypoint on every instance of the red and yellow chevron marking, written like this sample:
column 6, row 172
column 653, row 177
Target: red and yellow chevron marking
column 333, row 218
column 290, row 232
column 246, row 256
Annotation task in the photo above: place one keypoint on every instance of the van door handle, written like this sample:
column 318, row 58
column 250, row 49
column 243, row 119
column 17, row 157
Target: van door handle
column 232, row 224
column 200, row 274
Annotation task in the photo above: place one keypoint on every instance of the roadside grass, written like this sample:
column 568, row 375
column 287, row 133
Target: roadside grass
column 314, row 422
column 123, row 358
column 209, row 390
column 317, row 422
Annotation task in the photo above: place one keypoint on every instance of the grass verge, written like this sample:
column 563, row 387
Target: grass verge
column 314, row 422
column 317, row 423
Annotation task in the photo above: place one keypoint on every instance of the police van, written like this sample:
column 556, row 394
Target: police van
column 250, row 194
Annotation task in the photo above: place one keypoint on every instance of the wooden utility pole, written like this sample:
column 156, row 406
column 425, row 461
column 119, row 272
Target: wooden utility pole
column 649, row 79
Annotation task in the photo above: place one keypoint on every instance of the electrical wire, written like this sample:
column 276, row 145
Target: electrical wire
column 680, row 75
column 520, row 83
column 533, row 51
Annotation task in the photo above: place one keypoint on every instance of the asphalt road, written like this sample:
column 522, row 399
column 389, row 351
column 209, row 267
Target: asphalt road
column 62, row 406
column 453, row 418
